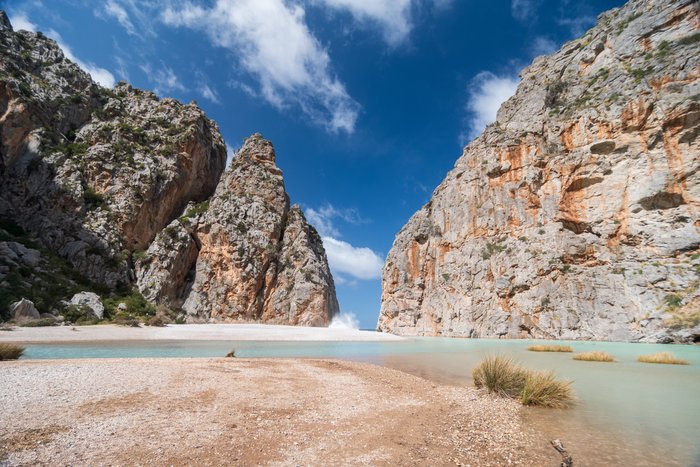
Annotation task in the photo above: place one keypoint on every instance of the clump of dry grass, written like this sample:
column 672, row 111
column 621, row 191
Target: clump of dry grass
column 503, row 376
column 597, row 356
column 662, row 357
column 500, row 375
column 550, row 348
column 543, row 389
column 10, row 351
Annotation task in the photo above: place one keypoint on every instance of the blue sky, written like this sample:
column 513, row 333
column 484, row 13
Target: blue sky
column 368, row 102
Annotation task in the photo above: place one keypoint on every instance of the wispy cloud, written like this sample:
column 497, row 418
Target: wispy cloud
column 487, row 92
column 274, row 44
column 164, row 78
column 135, row 16
column 577, row 25
column 206, row 90
column 98, row 74
column 113, row 9
column 392, row 17
column 524, row 10
column 542, row 46
column 323, row 218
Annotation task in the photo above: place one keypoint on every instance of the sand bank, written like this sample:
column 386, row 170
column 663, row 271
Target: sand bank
column 248, row 332
column 229, row 411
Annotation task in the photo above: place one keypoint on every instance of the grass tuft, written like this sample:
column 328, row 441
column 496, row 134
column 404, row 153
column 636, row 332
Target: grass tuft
column 597, row 356
column 10, row 351
column 500, row 375
column 662, row 357
column 550, row 348
column 503, row 376
column 544, row 390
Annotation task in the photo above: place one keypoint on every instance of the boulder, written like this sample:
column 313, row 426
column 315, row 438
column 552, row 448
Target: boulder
column 90, row 300
column 23, row 311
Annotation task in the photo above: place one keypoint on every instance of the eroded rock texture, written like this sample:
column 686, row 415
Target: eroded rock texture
column 576, row 214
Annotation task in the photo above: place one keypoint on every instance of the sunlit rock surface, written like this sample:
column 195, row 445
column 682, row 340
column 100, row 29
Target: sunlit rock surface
column 575, row 215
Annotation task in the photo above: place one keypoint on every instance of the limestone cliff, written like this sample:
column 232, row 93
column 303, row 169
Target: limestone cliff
column 258, row 260
column 576, row 214
column 101, row 178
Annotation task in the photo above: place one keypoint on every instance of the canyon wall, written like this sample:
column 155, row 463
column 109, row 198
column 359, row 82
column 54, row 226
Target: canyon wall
column 576, row 214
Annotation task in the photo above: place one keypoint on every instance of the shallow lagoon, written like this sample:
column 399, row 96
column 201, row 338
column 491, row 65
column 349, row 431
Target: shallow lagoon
column 628, row 413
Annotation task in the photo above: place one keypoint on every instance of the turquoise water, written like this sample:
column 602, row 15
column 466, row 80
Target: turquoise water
column 628, row 413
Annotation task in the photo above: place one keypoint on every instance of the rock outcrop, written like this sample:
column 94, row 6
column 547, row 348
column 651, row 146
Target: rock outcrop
column 100, row 178
column 576, row 214
column 258, row 260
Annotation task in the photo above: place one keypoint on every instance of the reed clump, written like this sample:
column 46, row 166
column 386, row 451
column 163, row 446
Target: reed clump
column 550, row 348
column 662, row 357
column 501, row 375
column 10, row 351
column 543, row 389
column 597, row 356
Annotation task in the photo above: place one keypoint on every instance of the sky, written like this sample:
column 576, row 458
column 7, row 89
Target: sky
column 368, row 103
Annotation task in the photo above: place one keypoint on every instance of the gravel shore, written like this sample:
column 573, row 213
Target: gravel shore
column 106, row 332
column 226, row 411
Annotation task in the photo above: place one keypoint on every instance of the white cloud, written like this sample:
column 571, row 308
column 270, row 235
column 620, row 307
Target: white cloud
column 99, row 75
column 209, row 93
column 487, row 92
column 164, row 78
column 358, row 262
column 234, row 84
column 344, row 259
column 392, row 16
column 136, row 16
column 122, row 68
column 21, row 22
column 524, row 10
column 118, row 12
column 230, row 154
column 273, row 43
column 322, row 218
column 542, row 46
column 577, row 25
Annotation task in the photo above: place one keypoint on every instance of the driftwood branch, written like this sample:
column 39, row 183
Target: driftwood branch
column 566, row 460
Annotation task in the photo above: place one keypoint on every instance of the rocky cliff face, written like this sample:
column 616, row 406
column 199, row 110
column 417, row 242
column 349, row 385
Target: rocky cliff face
column 258, row 259
column 101, row 178
column 576, row 214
